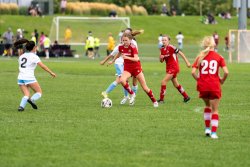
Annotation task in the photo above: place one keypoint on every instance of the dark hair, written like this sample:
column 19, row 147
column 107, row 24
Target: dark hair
column 29, row 44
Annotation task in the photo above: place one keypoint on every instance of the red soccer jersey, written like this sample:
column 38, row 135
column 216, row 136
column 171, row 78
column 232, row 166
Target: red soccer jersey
column 171, row 58
column 129, row 51
column 208, row 79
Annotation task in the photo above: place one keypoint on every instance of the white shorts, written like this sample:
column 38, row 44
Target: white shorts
column 25, row 82
column 119, row 69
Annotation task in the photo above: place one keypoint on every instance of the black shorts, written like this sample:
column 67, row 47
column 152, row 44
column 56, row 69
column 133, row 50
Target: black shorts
column 8, row 46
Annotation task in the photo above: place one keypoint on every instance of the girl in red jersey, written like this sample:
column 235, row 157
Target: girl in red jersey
column 132, row 67
column 169, row 55
column 209, row 81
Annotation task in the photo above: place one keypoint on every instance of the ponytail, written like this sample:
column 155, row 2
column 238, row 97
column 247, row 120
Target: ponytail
column 29, row 45
column 207, row 43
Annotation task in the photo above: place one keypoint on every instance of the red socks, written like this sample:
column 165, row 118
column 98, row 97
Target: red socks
column 207, row 116
column 182, row 91
column 151, row 96
column 163, row 91
column 214, row 122
column 127, row 87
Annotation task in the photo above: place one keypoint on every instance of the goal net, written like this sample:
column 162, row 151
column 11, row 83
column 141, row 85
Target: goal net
column 80, row 26
column 239, row 46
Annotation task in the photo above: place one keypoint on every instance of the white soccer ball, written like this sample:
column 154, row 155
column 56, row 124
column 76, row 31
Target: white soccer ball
column 106, row 103
column 76, row 56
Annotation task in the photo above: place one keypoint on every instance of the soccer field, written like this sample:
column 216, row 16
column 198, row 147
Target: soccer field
column 71, row 129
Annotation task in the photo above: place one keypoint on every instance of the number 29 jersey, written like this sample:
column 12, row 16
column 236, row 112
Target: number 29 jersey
column 27, row 65
column 208, row 78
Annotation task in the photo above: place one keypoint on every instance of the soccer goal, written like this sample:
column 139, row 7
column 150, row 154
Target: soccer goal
column 80, row 26
column 239, row 46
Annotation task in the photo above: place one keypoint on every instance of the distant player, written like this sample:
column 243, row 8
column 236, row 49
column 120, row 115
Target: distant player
column 169, row 54
column 209, row 81
column 132, row 67
column 26, row 78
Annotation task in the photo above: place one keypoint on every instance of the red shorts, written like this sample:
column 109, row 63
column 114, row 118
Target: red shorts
column 173, row 72
column 134, row 72
column 210, row 95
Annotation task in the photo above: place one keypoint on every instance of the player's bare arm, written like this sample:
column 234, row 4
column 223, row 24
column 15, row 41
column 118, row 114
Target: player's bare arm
column 185, row 59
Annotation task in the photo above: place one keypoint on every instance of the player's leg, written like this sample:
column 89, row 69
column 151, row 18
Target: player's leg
column 37, row 95
column 135, row 85
column 140, row 77
column 26, row 93
column 180, row 89
column 215, row 117
column 207, row 116
column 125, row 76
column 164, row 82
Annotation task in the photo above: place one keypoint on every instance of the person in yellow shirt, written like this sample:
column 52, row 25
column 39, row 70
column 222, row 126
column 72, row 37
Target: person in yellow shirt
column 90, row 44
column 111, row 44
column 67, row 35
column 46, row 44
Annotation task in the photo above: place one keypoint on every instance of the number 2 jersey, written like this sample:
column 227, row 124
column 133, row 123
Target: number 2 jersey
column 27, row 64
column 208, row 77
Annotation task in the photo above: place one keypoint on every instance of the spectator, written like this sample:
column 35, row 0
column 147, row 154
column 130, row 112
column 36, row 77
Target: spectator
column 38, row 10
column 46, row 46
column 173, row 10
column 180, row 38
column 226, row 43
column 63, row 6
column 56, row 48
column 8, row 38
column 216, row 40
column 32, row 11
column 19, row 36
column 41, row 41
column 164, row 11
column 211, row 19
column 36, row 35
column 90, row 44
column 112, row 13
column 33, row 38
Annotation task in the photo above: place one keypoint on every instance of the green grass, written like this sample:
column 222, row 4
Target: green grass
column 71, row 129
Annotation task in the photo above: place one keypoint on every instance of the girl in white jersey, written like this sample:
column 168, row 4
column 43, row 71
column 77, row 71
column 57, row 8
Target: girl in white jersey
column 26, row 78
column 119, row 68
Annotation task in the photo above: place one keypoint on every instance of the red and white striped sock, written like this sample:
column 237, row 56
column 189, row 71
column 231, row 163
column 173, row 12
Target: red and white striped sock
column 127, row 87
column 151, row 96
column 207, row 116
column 182, row 91
column 214, row 122
column 163, row 91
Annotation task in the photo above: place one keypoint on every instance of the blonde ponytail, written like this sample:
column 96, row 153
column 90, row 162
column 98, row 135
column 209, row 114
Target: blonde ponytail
column 207, row 43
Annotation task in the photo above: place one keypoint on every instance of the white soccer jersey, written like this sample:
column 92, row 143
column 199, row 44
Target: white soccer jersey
column 116, row 51
column 27, row 65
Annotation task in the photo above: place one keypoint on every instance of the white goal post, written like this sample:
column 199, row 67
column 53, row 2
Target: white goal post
column 80, row 26
column 239, row 46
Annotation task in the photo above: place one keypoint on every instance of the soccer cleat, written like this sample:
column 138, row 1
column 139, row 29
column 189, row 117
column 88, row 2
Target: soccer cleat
column 20, row 109
column 160, row 101
column 156, row 104
column 207, row 132
column 186, row 99
column 124, row 100
column 34, row 106
column 104, row 94
column 214, row 135
column 132, row 99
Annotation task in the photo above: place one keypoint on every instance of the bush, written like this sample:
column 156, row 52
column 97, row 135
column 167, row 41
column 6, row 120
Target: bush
column 23, row 10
